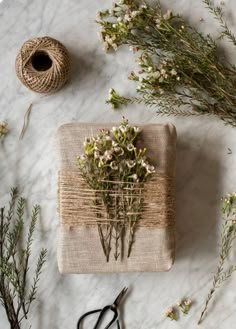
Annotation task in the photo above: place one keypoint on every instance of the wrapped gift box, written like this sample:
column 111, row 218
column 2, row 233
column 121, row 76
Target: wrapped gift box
column 79, row 247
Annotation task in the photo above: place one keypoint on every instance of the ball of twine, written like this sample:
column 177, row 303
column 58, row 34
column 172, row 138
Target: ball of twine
column 42, row 65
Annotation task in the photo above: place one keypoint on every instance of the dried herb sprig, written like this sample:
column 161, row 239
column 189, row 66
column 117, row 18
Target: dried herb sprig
column 181, row 72
column 116, row 169
column 14, row 261
column 227, row 238
column 3, row 129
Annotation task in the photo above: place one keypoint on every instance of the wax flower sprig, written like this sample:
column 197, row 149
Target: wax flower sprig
column 3, row 129
column 228, row 236
column 181, row 72
column 112, row 162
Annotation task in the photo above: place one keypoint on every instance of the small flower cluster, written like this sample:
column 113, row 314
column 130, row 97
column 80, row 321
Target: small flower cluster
column 155, row 77
column 194, row 79
column 115, row 100
column 127, row 14
column 112, row 161
column 171, row 314
column 184, row 305
column 113, row 152
column 3, row 129
column 229, row 207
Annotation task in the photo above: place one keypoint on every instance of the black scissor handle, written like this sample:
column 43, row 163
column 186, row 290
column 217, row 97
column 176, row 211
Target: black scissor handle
column 85, row 316
column 103, row 312
column 101, row 315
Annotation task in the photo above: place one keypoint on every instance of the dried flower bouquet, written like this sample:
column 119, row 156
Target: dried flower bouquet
column 115, row 170
column 181, row 72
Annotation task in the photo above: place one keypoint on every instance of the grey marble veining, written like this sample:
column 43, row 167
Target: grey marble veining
column 205, row 170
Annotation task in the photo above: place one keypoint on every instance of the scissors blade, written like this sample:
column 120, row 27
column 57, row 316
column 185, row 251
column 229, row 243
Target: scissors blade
column 120, row 297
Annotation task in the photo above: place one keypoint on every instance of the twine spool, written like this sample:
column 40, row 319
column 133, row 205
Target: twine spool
column 42, row 65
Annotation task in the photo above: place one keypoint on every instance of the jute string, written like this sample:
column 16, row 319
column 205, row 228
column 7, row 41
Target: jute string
column 43, row 66
column 78, row 204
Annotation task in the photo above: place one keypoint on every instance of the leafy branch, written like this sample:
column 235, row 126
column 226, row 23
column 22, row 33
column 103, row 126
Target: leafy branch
column 227, row 238
column 181, row 72
column 14, row 261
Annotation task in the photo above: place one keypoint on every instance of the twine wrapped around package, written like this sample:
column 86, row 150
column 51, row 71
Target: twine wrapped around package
column 42, row 65
column 79, row 249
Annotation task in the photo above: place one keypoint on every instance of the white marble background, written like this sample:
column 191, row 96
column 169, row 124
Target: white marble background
column 205, row 170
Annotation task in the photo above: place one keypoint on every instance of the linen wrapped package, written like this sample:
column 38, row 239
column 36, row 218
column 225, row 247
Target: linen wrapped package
column 79, row 247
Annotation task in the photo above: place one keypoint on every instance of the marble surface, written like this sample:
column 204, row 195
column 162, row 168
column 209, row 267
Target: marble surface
column 205, row 169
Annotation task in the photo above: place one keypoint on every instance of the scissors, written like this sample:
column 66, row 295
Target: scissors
column 104, row 311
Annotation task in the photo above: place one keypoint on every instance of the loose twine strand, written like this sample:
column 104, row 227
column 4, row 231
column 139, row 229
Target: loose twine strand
column 78, row 203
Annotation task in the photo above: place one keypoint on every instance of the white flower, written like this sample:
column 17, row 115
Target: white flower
column 150, row 169
column 173, row 72
column 131, row 163
column 133, row 49
column 113, row 165
column 135, row 13
column 108, row 155
column 130, row 147
column 143, row 164
column 188, row 302
column 167, row 15
column 178, row 78
column 121, row 151
column 143, row 6
column 108, row 138
column 163, row 72
column 101, row 36
column 156, row 74
column 101, row 163
column 114, row 46
column 179, row 302
column 127, row 18
column 117, row 149
column 96, row 154
column 99, row 14
column 136, row 129
column 114, row 25
column 83, row 157
column 105, row 46
column 135, row 177
column 168, row 311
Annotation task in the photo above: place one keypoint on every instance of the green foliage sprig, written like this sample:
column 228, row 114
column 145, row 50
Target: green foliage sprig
column 181, row 72
column 116, row 169
column 14, row 261
column 227, row 238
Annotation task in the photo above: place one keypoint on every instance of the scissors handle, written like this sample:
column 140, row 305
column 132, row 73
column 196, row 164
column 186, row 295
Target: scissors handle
column 101, row 315
column 85, row 315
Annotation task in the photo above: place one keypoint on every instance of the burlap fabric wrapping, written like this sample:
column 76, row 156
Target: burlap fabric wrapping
column 79, row 248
